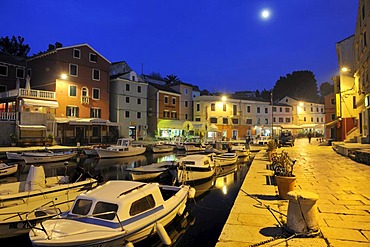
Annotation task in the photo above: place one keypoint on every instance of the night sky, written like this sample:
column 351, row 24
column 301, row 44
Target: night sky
column 219, row 45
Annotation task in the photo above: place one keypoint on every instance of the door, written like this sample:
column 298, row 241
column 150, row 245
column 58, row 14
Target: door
column 80, row 134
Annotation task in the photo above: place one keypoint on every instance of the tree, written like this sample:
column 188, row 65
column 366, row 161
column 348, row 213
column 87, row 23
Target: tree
column 204, row 92
column 299, row 85
column 156, row 75
column 265, row 94
column 171, row 79
column 14, row 46
column 326, row 88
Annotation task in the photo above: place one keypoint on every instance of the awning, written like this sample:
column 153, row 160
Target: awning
column 332, row 123
column 308, row 126
column 290, row 126
column 192, row 125
column 170, row 124
column 32, row 127
column 84, row 121
column 36, row 102
column 213, row 128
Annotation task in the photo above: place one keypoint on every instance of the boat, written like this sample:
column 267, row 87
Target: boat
column 194, row 144
column 240, row 149
column 162, row 148
column 14, row 156
column 90, row 151
column 152, row 171
column 37, row 198
column 123, row 148
column 117, row 213
column 7, row 169
column 195, row 167
column 225, row 159
column 42, row 157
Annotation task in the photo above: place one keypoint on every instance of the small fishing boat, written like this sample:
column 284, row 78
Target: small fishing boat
column 38, row 198
column 225, row 159
column 116, row 213
column 6, row 169
column 195, row 167
column 162, row 148
column 41, row 157
column 240, row 149
column 123, row 148
column 152, row 171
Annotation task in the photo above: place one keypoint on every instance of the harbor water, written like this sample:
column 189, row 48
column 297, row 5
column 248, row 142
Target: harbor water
column 204, row 217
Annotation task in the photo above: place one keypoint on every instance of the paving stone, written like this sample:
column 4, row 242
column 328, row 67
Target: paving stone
column 342, row 234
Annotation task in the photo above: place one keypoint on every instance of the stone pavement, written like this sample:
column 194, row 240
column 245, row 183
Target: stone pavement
column 343, row 187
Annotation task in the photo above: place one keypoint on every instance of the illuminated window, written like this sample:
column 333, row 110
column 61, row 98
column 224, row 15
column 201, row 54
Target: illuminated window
column 72, row 111
column 95, row 112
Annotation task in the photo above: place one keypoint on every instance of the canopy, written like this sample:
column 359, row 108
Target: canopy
column 192, row 125
column 290, row 126
column 32, row 127
column 332, row 123
column 36, row 102
column 170, row 124
column 84, row 121
column 213, row 128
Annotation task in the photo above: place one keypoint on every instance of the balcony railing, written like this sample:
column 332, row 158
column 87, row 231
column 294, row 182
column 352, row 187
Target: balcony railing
column 8, row 116
column 84, row 100
column 37, row 94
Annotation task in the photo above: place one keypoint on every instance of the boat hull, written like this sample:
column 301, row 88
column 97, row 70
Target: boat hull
column 8, row 170
column 33, row 158
column 107, row 153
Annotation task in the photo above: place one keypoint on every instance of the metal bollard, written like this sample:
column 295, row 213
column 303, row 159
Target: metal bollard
column 302, row 213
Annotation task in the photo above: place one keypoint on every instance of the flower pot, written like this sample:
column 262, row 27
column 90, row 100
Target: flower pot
column 270, row 153
column 285, row 184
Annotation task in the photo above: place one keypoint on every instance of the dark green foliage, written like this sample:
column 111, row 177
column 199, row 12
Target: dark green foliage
column 14, row 46
column 299, row 85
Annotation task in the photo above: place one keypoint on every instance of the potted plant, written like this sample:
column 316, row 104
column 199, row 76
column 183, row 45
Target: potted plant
column 271, row 148
column 13, row 139
column 50, row 139
column 283, row 171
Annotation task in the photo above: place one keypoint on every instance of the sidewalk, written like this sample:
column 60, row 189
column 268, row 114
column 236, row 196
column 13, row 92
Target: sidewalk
column 343, row 187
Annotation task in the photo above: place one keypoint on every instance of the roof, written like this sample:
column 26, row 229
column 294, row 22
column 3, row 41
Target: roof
column 163, row 88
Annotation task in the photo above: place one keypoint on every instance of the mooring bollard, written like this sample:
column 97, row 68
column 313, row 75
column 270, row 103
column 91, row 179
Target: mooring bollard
column 302, row 213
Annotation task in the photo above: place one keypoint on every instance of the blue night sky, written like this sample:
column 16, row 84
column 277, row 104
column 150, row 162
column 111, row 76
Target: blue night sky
column 218, row 45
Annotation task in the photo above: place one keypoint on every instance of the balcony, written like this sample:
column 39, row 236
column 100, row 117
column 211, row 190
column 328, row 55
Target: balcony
column 22, row 92
column 85, row 100
column 8, row 116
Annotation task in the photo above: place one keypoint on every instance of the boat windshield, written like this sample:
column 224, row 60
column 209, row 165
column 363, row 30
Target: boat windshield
column 105, row 210
column 82, row 207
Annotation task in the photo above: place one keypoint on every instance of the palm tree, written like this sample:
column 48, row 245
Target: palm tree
column 171, row 79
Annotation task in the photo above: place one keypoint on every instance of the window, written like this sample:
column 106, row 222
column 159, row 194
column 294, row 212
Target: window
column 127, row 114
column 281, row 120
column 224, row 107
column 332, row 101
column 213, row 120
column 186, row 103
column 82, row 207
column 73, row 69
column 72, row 111
column 19, row 73
column 186, row 116
column 311, row 119
column 258, row 120
column 76, row 53
column 173, row 114
column 166, row 99
column 258, row 110
column 224, row 120
column 133, row 78
column 235, row 110
column 266, row 121
column 84, row 95
column 197, row 119
column 317, row 120
column 248, row 108
column 142, row 205
column 93, row 57
column 106, row 209
column 273, row 109
column 3, row 70
column 173, row 101
column 280, row 109
column 96, row 75
column 266, row 110
column 138, row 115
column 72, row 91
column 287, row 120
column 333, row 116
column 235, row 121
column 139, row 89
column 274, row 120
column 354, row 102
column 304, row 119
column 96, row 93
column 287, row 109
column 311, row 109
column 95, row 112
column 248, row 121
column 198, row 107
column 186, row 91
column 127, row 99
column 213, row 106
column 128, row 87
column 29, row 72
column 166, row 113
column 139, row 101
column 96, row 131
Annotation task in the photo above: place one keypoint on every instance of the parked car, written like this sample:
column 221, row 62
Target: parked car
column 286, row 139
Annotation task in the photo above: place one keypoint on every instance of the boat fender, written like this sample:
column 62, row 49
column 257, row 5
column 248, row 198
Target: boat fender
column 129, row 244
column 181, row 210
column 163, row 234
column 191, row 193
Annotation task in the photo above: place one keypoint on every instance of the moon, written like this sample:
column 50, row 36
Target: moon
column 265, row 14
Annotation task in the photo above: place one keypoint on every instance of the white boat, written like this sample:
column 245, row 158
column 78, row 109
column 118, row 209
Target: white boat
column 195, row 167
column 152, row 171
column 240, row 149
column 41, row 157
column 114, row 214
column 90, row 151
column 36, row 199
column 225, row 159
column 162, row 148
column 6, row 169
column 123, row 148
column 194, row 147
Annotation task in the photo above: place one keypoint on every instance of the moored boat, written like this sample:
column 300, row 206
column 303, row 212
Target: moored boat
column 195, row 167
column 225, row 159
column 7, row 169
column 41, row 157
column 152, row 171
column 38, row 198
column 162, row 148
column 116, row 213
column 123, row 148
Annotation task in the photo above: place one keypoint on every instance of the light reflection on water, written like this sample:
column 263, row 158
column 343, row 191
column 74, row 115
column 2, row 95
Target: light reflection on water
column 206, row 213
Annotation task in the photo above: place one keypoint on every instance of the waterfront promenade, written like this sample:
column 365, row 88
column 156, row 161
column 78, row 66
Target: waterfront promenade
column 343, row 187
